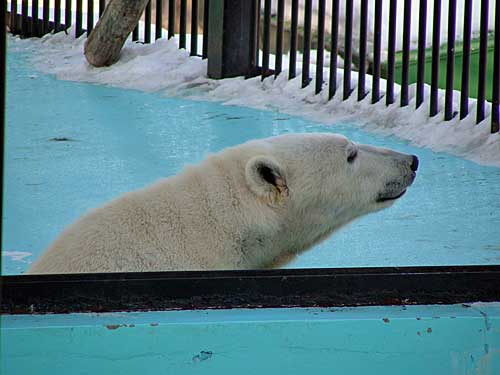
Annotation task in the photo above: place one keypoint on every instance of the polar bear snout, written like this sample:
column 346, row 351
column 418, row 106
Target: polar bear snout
column 396, row 187
column 414, row 163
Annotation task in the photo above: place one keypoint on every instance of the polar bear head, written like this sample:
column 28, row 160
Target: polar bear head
column 315, row 183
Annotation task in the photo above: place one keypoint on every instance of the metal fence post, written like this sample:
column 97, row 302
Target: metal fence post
column 464, row 91
column 495, row 95
column 376, row 51
column 406, row 52
column 422, row 26
column 292, row 70
column 231, row 38
column 349, row 10
column 321, row 45
column 483, row 62
column 307, row 43
column 450, row 60
column 332, row 83
column 391, row 52
column 436, row 41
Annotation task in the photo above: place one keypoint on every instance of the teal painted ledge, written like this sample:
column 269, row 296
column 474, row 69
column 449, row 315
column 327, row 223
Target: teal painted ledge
column 458, row 339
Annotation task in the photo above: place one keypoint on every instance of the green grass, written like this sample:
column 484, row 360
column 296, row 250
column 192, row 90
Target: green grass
column 457, row 82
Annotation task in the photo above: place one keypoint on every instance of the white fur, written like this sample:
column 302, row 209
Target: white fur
column 257, row 205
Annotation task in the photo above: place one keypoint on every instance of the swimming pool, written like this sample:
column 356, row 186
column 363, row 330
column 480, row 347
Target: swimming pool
column 72, row 146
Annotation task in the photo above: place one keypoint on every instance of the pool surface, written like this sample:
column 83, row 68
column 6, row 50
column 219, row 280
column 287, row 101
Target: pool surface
column 73, row 146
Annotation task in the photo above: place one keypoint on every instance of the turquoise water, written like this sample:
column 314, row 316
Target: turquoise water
column 73, row 146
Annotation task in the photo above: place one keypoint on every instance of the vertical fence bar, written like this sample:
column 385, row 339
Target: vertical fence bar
column 279, row 38
column 253, row 59
column 320, row 47
column 3, row 72
column 206, row 7
column 334, row 46
column 464, row 90
column 3, row 79
column 30, row 20
column 45, row 17
column 422, row 32
column 377, row 44
column 158, row 19
column 450, row 60
column 483, row 61
column 257, row 34
column 102, row 6
column 35, row 27
column 182, row 27
column 362, row 49
column 147, row 23
column 406, row 52
column 90, row 16
column 135, row 33
column 78, row 18
column 391, row 52
column 67, row 14
column 307, row 43
column 348, row 49
column 194, row 28
column 265, row 45
column 24, row 18
column 292, row 69
column 436, row 40
column 171, row 19
column 495, row 95
column 13, row 15
column 57, row 16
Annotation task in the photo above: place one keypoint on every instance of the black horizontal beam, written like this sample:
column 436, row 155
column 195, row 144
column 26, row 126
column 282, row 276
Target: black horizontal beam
column 41, row 294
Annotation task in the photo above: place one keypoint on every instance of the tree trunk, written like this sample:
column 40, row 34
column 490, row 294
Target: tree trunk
column 103, row 46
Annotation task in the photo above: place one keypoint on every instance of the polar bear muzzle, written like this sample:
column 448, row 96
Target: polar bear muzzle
column 397, row 188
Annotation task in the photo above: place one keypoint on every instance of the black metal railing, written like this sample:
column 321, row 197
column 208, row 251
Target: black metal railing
column 304, row 26
column 357, row 56
column 40, row 18
column 279, row 288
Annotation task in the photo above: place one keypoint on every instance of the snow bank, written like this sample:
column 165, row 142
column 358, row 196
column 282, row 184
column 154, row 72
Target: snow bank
column 163, row 68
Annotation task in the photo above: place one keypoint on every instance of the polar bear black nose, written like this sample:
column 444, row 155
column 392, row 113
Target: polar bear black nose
column 414, row 163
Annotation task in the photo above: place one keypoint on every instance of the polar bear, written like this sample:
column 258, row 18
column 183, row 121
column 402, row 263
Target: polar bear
column 256, row 205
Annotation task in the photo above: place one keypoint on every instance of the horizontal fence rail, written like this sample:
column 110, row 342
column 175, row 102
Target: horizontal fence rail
column 149, row 291
column 304, row 37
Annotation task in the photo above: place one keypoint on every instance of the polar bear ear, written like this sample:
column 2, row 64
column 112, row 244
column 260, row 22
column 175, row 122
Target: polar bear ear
column 266, row 179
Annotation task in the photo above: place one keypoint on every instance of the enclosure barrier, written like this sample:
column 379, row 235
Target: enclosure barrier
column 241, row 43
column 374, row 66
column 28, row 23
column 279, row 288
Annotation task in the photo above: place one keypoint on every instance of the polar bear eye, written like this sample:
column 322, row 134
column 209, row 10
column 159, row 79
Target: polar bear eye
column 352, row 155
